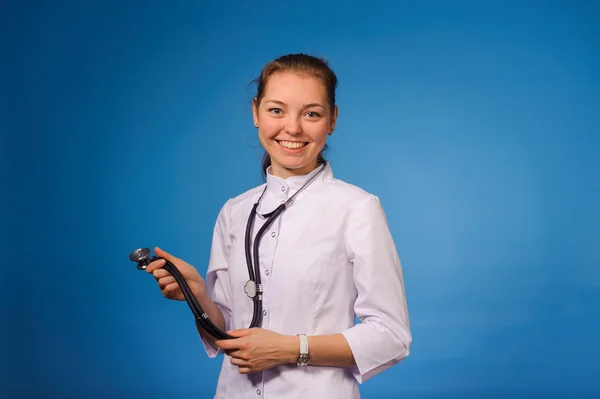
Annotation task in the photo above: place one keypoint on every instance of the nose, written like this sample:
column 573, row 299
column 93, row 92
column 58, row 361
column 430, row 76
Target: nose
column 293, row 126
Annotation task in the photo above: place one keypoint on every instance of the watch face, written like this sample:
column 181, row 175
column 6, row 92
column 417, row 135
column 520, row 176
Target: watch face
column 303, row 360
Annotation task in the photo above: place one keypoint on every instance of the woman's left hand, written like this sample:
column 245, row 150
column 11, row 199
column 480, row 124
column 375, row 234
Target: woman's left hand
column 257, row 349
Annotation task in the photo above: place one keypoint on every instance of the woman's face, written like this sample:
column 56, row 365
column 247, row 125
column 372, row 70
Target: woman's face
column 293, row 118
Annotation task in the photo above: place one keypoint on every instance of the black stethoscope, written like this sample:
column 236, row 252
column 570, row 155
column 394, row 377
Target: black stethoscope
column 253, row 288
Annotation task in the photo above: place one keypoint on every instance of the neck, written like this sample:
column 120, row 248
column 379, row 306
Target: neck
column 284, row 173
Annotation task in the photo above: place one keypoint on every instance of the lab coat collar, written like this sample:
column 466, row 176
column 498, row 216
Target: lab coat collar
column 285, row 188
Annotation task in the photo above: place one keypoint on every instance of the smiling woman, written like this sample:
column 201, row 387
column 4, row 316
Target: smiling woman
column 294, row 111
column 328, row 259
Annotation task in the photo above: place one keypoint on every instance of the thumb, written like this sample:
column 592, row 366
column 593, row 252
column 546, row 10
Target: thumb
column 164, row 254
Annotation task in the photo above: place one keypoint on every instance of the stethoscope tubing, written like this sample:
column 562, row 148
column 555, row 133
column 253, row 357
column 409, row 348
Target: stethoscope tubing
column 199, row 313
column 253, row 267
column 257, row 316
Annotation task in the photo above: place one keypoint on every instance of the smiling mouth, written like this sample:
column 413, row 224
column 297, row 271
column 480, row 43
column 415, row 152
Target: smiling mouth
column 292, row 145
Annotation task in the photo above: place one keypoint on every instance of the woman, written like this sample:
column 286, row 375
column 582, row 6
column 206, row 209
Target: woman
column 328, row 257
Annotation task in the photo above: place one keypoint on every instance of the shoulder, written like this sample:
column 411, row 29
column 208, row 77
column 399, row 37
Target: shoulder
column 347, row 195
column 343, row 187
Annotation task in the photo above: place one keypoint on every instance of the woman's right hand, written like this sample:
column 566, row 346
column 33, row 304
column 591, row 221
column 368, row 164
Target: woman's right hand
column 168, row 286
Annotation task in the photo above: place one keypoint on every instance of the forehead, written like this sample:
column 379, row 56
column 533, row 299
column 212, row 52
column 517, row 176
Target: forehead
column 291, row 87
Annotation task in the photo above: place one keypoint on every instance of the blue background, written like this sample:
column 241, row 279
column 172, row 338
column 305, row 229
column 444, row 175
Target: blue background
column 476, row 123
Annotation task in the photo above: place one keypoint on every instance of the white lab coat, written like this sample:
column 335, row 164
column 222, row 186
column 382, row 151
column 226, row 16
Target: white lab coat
column 328, row 257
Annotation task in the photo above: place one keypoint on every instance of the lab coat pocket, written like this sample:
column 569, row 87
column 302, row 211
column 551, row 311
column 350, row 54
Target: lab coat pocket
column 309, row 292
column 332, row 294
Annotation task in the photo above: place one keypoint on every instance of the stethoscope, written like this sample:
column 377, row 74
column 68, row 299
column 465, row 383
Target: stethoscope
column 253, row 288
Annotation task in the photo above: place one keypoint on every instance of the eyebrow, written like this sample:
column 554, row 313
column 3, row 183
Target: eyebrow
column 303, row 107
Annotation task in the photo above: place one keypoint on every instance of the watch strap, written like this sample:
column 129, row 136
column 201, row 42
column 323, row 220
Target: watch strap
column 303, row 357
column 303, row 344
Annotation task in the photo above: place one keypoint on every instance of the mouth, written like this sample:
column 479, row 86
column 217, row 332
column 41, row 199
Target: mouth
column 293, row 146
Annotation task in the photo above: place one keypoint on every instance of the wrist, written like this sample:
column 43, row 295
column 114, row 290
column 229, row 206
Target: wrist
column 290, row 348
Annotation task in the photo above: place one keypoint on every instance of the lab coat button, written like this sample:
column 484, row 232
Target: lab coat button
column 273, row 234
column 282, row 188
column 258, row 391
column 264, row 312
column 267, row 272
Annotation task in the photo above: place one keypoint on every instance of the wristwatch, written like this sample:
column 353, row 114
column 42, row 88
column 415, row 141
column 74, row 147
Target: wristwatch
column 303, row 358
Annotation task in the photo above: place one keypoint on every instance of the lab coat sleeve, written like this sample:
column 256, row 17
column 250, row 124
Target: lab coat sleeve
column 383, row 337
column 217, row 276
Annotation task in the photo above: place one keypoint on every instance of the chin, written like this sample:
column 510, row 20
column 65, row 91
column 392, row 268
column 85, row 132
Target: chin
column 297, row 166
column 290, row 166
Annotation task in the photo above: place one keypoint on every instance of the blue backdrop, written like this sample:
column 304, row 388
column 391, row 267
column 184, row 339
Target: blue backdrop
column 476, row 123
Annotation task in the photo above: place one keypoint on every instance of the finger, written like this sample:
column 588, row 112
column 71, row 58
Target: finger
column 237, row 354
column 244, row 370
column 170, row 290
column 158, row 273
column 240, row 333
column 239, row 362
column 228, row 344
column 165, row 281
column 155, row 265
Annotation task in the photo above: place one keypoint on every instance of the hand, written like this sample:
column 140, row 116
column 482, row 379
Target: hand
column 168, row 286
column 257, row 349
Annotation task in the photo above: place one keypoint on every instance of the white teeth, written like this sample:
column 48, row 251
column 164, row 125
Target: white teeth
column 292, row 144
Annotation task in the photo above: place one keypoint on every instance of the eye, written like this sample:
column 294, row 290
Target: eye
column 276, row 111
column 313, row 114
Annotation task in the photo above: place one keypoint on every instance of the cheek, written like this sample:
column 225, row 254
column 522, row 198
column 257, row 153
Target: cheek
column 317, row 134
column 269, row 128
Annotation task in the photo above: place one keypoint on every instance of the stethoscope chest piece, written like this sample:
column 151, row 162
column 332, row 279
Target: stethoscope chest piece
column 142, row 257
column 250, row 289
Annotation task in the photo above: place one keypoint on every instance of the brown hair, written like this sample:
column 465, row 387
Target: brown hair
column 303, row 63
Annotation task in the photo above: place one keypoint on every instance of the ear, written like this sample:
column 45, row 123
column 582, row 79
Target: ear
column 334, row 117
column 255, row 111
